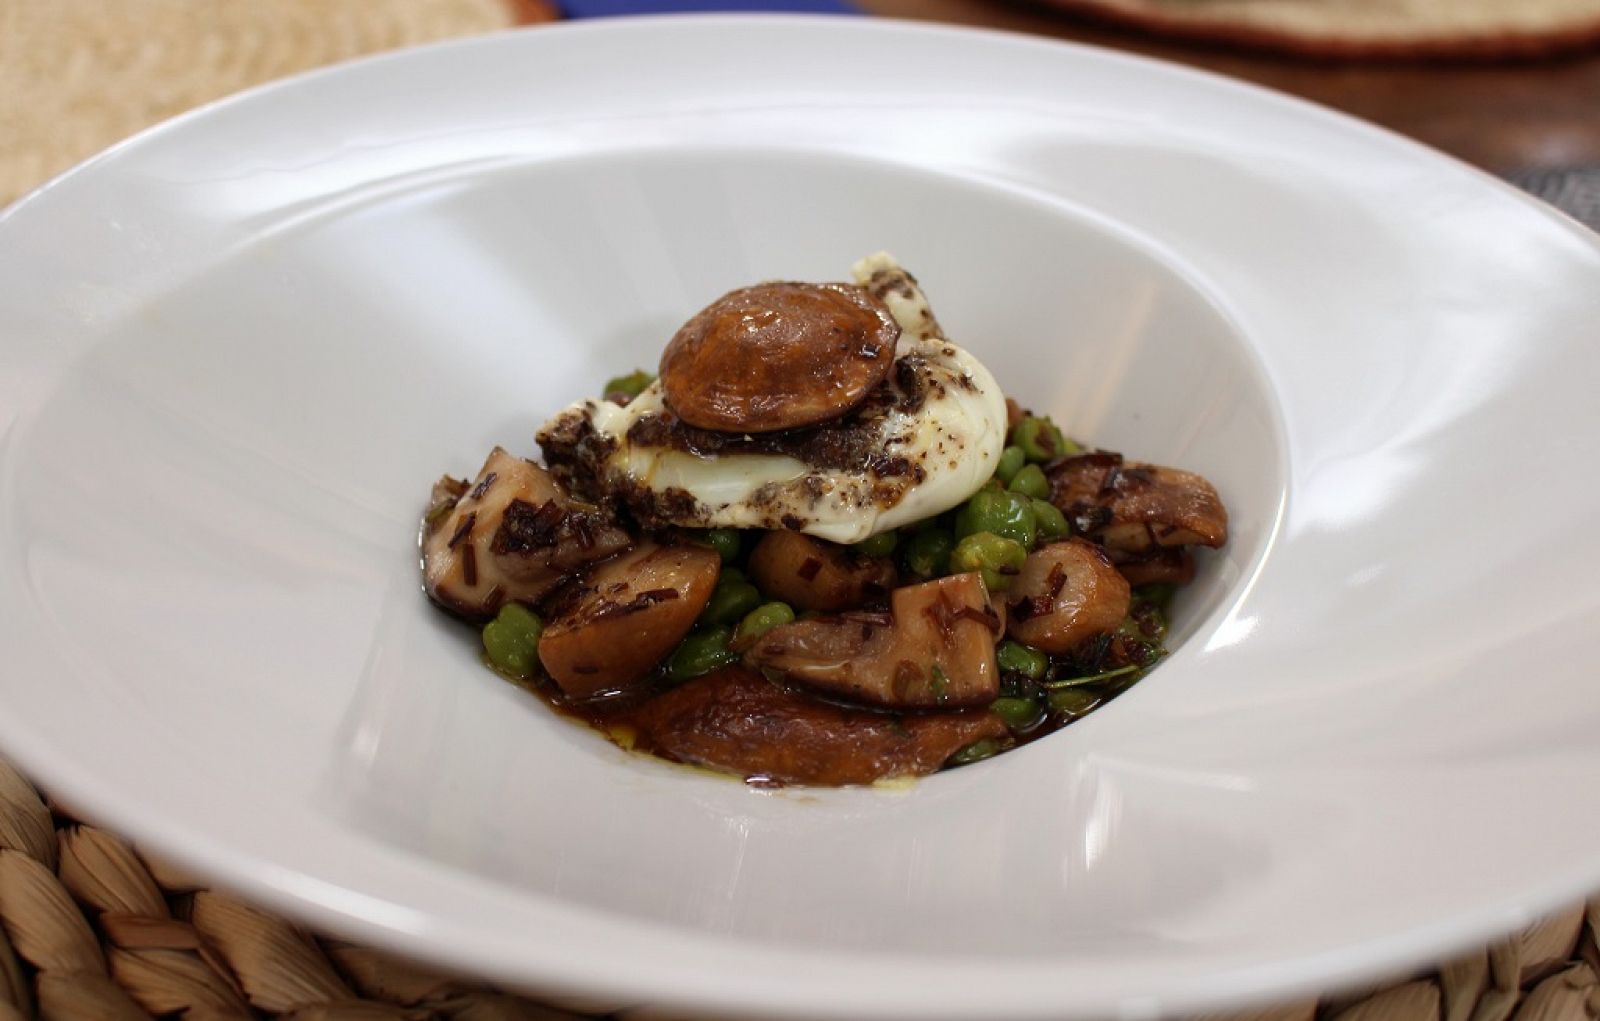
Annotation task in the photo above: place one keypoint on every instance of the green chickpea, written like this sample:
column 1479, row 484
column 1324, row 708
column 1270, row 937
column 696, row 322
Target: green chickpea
column 1022, row 659
column 1018, row 713
column 700, row 653
column 511, row 640
column 995, row 557
column 880, row 545
column 1052, row 523
column 927, row 553
column 977, row 751
column 730, row 601
column 1011, row 461
column 724, row 540
column 1041, row 441
column 758, row 622
column 1030, row 482
column 630, row 385
column 1005, row 514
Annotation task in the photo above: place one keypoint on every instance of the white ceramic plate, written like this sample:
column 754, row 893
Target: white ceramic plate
column 237, row 350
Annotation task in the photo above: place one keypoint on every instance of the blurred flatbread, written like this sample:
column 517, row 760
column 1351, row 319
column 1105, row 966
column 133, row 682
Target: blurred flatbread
column 1366, row 29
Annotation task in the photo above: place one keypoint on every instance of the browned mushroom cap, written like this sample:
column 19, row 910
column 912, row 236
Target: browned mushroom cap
column 510, row 534
column 778, row 356
column 1137, row 507
column 1066, row 592
column 632, row 611
column 810, row 574
column 735, row 720
column 935, row 650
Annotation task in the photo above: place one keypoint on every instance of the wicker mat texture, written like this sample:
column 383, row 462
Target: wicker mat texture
column 1366, row 29
column 93, row 930
column 78, row 75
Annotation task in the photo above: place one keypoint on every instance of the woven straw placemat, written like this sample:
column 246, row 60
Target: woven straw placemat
column 1366, row 29
column 90, row 929
column 78, row 75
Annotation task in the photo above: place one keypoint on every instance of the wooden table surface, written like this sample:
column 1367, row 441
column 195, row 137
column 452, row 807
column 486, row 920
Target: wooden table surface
column 1520, row 120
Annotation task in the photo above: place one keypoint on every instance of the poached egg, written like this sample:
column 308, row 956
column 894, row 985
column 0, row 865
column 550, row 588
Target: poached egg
column 924, row 441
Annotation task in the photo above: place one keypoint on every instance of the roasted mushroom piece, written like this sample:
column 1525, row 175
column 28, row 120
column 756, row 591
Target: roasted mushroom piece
column 627, row 616
column 1136, row 508
column 736, row 720
column 778, row 356
column 512, row 534
column 1174, row 566
column 810, row 574
column 1066, row 592
column 935, row 649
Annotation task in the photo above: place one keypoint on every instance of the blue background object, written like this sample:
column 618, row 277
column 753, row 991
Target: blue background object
column 613, row 8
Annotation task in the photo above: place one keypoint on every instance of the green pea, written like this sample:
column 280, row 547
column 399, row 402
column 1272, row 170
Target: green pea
column 1041, row 441
column 927, row 553
column 758, row 622
column 1011, row 461
column 1005, row 514
column 977, row 751
column 1052, row 523
column 730, row 573
column 1072, row 701
column 1030, row 482
column 729, row 601
column 631, row 384
column 511, row 640
column 995, row 557
column 880, row 545
column 1022, row 659
column 724, row 540
column 700, row 653
column 1018, row 713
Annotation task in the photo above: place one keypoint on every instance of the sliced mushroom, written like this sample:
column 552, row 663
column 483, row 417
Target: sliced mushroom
column 629, row 613
column 738, row 721
column 778, row 356
column 810, row 574
column 1136, row 507
column 935, row 649
column 1067, row 592
column 512, row 534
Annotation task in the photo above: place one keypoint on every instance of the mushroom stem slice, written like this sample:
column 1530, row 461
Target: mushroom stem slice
column 511, row 535
column 933, row 650
column 630, row 612
column 810, row 574
column 1066, row 592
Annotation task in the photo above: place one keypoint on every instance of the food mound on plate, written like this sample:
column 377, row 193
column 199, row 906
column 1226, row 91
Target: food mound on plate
column 821, row 547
